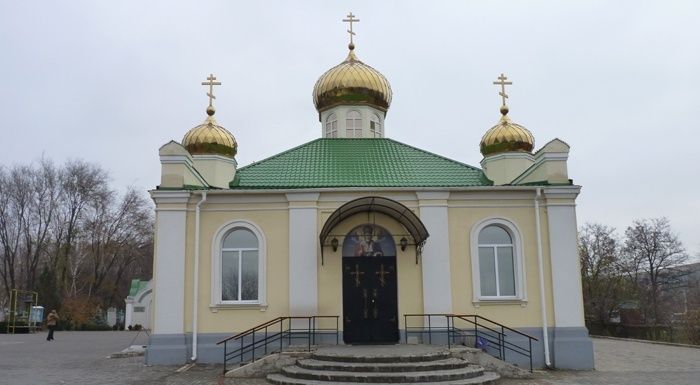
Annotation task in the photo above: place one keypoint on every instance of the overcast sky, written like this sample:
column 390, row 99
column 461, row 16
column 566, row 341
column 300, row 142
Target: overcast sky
column 111, row 81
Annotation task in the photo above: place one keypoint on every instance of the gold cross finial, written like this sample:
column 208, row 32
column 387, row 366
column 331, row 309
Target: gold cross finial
column 351, row 19
column 211, row 83
column 503, row 83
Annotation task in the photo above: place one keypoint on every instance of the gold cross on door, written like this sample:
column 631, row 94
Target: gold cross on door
column 381, row 273
column 357, row 273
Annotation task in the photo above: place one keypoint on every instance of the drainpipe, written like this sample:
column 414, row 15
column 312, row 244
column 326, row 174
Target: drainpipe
column 195, row 290
column 543, row 305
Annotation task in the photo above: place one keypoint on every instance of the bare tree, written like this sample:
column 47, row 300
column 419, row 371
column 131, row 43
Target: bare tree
column 81, row 183
column 651, row 250
column 599, row 253
column 14, row 213
column 44, row 199
column 117, row 232
column 65, row 233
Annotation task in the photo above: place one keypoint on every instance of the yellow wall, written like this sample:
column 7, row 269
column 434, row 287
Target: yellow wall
column 272, row 217
column 273, row 220
column 462, row 220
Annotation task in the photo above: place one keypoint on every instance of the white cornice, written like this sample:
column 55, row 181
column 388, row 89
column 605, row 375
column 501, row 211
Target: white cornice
column 215, row 157
column 507, row 155
column 176, row 159
column 302, row 196
column 549, row 156
column 174, row 197
column 433, row 195
column 562, row 192
column 373, row 189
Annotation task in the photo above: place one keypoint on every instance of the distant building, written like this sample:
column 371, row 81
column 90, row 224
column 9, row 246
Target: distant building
column 683, row 292
column 138, row 304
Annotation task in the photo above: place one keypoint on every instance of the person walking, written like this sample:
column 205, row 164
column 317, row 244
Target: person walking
column 51, row 321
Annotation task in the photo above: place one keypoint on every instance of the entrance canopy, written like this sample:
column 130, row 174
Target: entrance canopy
column 392, row 208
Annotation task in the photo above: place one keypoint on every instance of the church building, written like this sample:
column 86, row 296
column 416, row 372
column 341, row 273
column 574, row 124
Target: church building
column 357, row 225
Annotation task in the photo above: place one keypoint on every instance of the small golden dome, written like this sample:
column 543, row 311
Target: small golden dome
column 506, row 136
column 352, row 82
column 210, row 138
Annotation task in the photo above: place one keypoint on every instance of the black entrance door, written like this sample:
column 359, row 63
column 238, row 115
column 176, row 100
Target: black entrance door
column 370, row 310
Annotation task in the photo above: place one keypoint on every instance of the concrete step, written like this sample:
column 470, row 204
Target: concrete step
column 384, row 377
column 488, row 378
column 382, row 354
column 445, row 364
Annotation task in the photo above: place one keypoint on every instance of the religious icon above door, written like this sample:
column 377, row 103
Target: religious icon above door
column 369, row 240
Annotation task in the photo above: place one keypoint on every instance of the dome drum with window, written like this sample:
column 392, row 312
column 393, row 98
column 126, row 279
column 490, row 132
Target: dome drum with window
column 352, row 99
column 354, row 125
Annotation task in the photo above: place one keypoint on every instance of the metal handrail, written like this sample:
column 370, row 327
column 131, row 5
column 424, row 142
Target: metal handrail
column 280, row 335
column 490, row 333
column 499, row 324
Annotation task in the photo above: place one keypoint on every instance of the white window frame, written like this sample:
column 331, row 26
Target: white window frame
column 518, row 262
column 355, row 129
column 332, row 126
column 216, row 256
column 376, row 131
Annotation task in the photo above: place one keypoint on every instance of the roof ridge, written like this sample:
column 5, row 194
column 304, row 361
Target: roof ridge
column 433, row 154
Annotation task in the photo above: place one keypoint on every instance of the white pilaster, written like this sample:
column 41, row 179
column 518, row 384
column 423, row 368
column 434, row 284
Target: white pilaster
column 437, row 286
column 303, row 246
column 129, row 313
column 566, row 272
column 169, row 262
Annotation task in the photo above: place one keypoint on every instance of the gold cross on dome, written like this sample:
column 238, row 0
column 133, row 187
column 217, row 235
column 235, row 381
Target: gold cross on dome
column 503, row 83
column 351, row 19
column 211, row 83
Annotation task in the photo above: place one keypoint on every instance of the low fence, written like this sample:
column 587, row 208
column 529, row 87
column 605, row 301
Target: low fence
column 681, row 333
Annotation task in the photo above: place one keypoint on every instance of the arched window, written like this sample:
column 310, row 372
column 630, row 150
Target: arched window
column 332, row 126
column 353, row 125
column 238, row 266
column 497, row 261
column 375, row 126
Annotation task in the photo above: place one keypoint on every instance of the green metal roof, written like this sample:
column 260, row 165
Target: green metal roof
column 136, row 286
column 356, row 163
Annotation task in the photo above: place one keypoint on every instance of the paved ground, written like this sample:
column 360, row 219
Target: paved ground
column 79, row 358
column 628, row 363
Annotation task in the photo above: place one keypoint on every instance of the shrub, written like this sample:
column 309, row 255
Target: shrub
column 77, row 311
column 21, row 327
column 92, row 326
column 690, row 327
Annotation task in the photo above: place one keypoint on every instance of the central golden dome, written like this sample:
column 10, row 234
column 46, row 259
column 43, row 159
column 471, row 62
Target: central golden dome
column 352, row 82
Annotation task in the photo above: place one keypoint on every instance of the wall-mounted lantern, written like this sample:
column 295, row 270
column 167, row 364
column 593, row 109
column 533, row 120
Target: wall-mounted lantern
column 403, row 242
column 334, row 244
